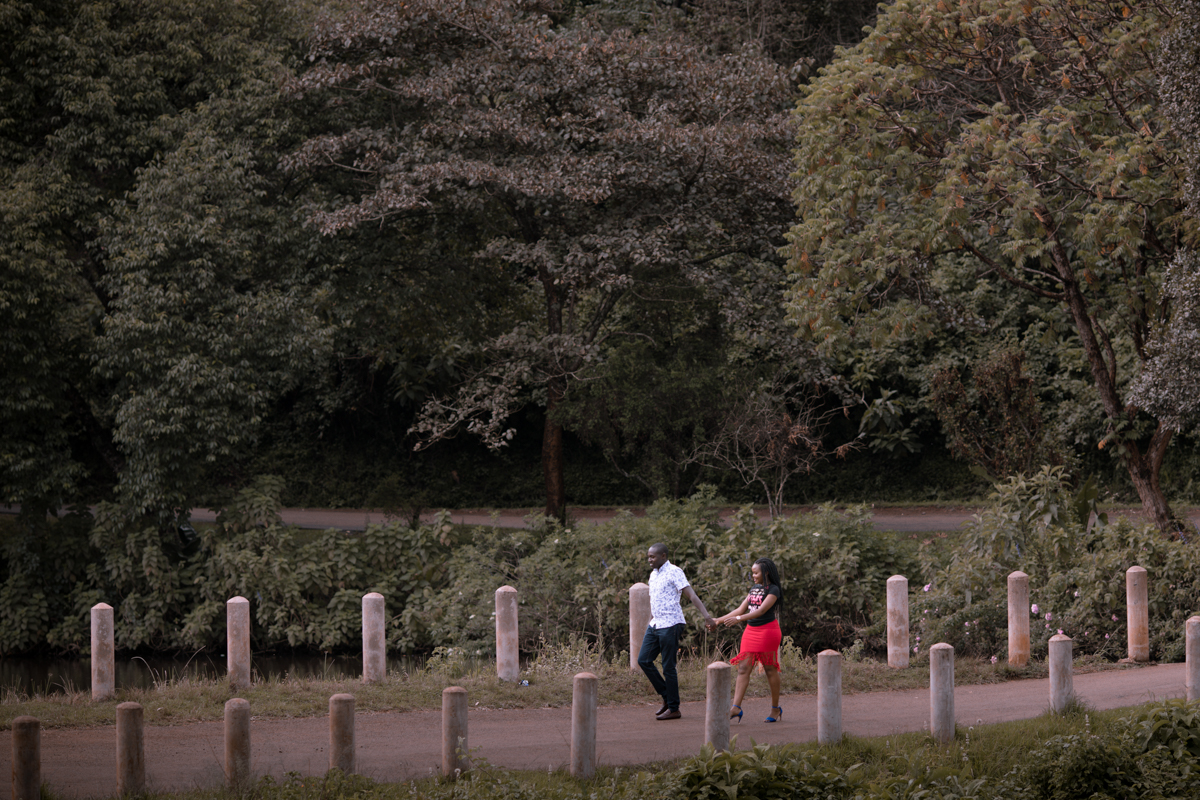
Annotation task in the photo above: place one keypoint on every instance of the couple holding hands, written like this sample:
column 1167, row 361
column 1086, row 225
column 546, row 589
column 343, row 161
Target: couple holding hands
column 760, row 639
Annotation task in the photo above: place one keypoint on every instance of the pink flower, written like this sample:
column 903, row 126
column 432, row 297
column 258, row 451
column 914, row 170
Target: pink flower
column 1106, row 636
column 993, row 659
column 1060, row 633
column 1049, row 615
column 1034, row 608
column 1114, row 617
column 915, row 649
column 926, row 589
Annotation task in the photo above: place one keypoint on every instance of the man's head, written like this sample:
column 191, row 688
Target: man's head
column 657, row 555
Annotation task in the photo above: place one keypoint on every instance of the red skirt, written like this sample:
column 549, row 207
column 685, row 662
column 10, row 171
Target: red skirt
column 760, row 644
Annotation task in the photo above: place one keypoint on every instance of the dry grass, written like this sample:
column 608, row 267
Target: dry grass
column 189, row 699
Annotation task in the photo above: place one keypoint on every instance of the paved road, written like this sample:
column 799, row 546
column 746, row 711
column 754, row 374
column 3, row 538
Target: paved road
column 909, row 519
column 396, row 747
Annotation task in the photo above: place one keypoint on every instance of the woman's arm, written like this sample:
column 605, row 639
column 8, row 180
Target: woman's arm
column 728, row 619
column 767, row 602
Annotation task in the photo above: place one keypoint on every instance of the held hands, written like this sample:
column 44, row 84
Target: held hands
column 710, row 624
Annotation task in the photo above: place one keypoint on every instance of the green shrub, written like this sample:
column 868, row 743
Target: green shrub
column 1076, row 575
column 574, row 581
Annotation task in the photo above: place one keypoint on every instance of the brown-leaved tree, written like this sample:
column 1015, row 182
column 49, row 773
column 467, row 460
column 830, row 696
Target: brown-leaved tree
column 598, row 166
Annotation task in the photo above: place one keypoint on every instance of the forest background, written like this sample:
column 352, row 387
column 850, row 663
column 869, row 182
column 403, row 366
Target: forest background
column 511, row 252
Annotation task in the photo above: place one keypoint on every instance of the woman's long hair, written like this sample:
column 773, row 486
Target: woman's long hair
column 771, row 574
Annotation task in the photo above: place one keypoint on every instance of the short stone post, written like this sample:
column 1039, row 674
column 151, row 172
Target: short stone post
column 131, row 750
column 104, row 670
column 1018, row 619
column 341, row 733
column 26, row 759
column 941, row 692
column 508, row 664
column 585, row 697
column 1192, row 657
column 1137, row 613
column 454, row 731
column 716, row 705
column 237, row 642
column 829, row 697
column 1062, row 686
column 639, row 621
column 897, row 621
column 374, row 638
column 237, row 744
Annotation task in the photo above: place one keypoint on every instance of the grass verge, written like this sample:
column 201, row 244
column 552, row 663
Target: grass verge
column 187, row 699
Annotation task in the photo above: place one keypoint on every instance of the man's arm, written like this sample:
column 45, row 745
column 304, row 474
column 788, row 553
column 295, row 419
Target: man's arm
column 690, row 594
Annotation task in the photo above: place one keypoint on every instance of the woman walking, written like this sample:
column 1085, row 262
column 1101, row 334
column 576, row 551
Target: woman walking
column 761, row 637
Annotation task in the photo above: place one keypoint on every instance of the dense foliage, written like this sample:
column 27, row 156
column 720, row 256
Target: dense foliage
column 439, row 580
column 1021, row 144
column 599, row 169
column 1076, row 563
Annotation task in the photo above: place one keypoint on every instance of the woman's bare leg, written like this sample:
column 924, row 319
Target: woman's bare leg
column 773, row 682
column 742, row 681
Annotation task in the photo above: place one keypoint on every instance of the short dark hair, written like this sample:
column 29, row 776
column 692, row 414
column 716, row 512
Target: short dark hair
column 659, row 547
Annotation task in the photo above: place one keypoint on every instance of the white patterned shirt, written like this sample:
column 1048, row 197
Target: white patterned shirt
column 666, row 584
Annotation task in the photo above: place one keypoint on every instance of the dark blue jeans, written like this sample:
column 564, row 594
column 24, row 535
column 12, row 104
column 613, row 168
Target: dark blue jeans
column 664, row 641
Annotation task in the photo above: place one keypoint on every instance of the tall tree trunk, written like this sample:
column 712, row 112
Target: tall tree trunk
column 552, row 455
column 1144, row 468
column 556, row 390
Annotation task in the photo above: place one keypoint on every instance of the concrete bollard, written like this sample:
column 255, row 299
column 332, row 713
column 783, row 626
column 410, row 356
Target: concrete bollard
column 1062, row 685
column 237, row 642
column 104, row 669
column 941, row 692
column 454, row 731
column 26, row 759
column 1192, row 657
column 131, row 750
column 341, row 733
column 1137, row 613
column 585, row 697
column 829, row 697
column 374, row 638
column 237, row 744
column 716, row 705
column 639, row 621
column 508, row 664
column 897, row 621
column 1018, row 619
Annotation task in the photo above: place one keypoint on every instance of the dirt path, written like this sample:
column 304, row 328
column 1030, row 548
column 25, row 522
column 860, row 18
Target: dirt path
column 396, row 747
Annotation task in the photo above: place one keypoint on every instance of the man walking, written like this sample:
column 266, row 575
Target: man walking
column 667, row 584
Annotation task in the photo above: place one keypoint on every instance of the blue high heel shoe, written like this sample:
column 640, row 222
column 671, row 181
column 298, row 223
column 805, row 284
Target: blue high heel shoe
column 773, row 717
column 738, row 715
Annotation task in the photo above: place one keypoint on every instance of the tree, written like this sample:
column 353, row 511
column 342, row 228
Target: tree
column 594, row 167
column 102, row 100
column 771, row 432
column 1169, row 384
column 998, row 426
column 1000, row 139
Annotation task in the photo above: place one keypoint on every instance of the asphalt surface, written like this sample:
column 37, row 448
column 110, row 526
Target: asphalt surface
column 80, row 763
column 908, row 519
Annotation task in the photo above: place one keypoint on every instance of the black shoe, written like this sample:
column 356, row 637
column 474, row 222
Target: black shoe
column 670, row 713
column 665, row 708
